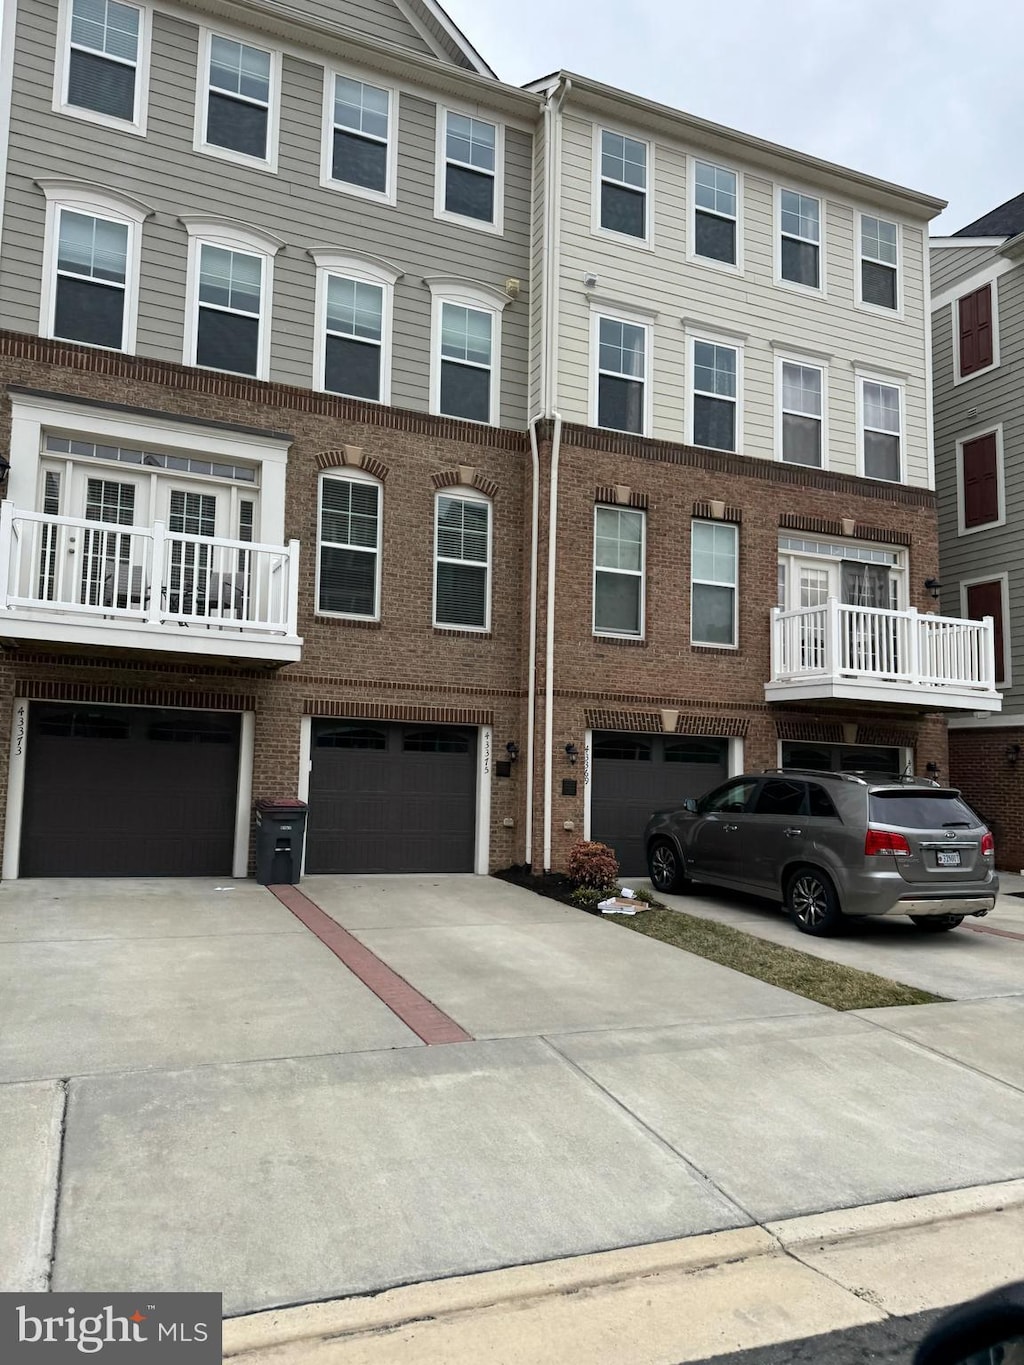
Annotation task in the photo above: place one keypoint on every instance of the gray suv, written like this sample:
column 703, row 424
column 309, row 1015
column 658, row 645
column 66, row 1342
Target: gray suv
column 830, row 845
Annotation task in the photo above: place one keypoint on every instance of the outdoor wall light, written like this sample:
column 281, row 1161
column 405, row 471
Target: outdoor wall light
column 571, row 752
column 5, row 467
column 932, row 768
column 512, row 749
column 934, row 587
column 1012, row 752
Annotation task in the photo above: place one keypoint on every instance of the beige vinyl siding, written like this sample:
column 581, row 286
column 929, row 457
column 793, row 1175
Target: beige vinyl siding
column 664, row 280
column 537, row 274
column 949, row 264
column 163, row 170
column 377, row 18
column 977, row 406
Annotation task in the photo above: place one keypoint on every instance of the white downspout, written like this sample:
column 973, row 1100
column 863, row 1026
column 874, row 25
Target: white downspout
column 552, row 108
column 553, row 216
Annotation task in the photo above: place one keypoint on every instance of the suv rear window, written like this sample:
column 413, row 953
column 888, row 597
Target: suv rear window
column 921, row 810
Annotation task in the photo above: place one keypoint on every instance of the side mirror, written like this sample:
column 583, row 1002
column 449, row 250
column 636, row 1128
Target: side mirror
column 690, row 804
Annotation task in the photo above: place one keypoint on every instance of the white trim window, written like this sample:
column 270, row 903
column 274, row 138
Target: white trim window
column 102, row 63
column 359, row 144
column 462, row 561
column 619, row 546
column 800, row 237
column 715, row 369
column 230, row 287
column 881, row 429
column 348, row 545
column 801, row 435
column 622, row 185
column 465, row 349
column 238, row 100
column 91, row 263
column 715, row 195
column 354, row 314
column 714, row 576
column 469, row 179
column 621, row 398
column 878, row 277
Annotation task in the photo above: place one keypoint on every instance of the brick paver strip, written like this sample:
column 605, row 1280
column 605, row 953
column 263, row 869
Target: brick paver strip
column 414, row 1009
column 988, row 929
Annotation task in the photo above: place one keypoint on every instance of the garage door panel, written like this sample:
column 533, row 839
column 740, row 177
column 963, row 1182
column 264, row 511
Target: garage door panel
column 126, row 792
column 391, row 798
column 635, row 775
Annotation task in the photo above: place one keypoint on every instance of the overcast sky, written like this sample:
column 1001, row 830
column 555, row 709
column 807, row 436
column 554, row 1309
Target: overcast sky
column 927, row 93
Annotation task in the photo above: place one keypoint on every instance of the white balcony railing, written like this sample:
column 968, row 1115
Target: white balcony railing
column 846, row 651
column 235, row 597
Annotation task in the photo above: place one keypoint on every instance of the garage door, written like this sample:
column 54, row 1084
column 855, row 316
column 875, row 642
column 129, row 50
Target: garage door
column 391, row 798
column 111, row 791
column 635, row 775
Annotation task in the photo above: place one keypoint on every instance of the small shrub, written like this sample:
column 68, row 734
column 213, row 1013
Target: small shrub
column 593, row 865
column 589, row 897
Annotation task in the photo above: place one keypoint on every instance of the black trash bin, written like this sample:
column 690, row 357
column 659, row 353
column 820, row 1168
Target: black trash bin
column 280, row 830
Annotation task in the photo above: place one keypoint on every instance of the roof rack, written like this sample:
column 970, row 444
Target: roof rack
column 819, row 772
column 863, row 776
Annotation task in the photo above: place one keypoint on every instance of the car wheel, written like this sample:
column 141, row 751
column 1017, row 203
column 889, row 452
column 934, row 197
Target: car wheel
column 664, row 865
column 812, row 901
column 936, row 924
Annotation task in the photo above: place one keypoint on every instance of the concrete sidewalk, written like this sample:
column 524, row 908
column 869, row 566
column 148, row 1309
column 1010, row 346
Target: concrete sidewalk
column 673, row 1302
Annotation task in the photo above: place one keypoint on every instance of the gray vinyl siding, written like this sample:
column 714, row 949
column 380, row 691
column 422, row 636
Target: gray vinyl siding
column 538, row 267
column 163, row 170
column 949, row 264
column 376, row 18
column 664, row 280
column 972, row 407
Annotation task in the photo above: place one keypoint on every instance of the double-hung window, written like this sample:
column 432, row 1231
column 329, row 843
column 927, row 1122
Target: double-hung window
column 91, row 270
column 882, row 427
column 715, row 395
column 239, row 98
column 462, row 562
column 621, row 375
column 465, row 378
column 802, row 413
column 230, row 289
column 879, row 262
column 469, row 174
column 359, row 153
column 623, row 185
column 348, row 569
column 800, row 238
column 715, row 213
column 714, row 574
column 354, row 308
column 619, row 535
column 101, row 69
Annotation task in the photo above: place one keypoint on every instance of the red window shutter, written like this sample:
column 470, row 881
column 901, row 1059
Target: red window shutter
column 986, row 599
column 981, row 486
column 975, row 320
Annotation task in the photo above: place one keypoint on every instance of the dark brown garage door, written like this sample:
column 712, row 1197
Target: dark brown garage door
column 391, row 798
column 115, row 792
column 635, row 775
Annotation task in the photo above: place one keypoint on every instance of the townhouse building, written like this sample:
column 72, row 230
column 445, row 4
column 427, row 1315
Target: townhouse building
column 482, row 465
column 742, row 540
column 977, row 277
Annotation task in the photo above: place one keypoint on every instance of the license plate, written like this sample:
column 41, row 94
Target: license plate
column 948, row 857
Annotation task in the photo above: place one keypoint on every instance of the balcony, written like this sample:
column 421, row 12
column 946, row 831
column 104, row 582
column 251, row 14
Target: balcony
column 72, row 581
column 861, row 654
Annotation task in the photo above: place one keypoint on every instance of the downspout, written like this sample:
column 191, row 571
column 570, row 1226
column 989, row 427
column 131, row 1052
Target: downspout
column 548, row 387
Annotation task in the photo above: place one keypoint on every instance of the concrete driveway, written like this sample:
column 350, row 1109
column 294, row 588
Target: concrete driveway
column 208, row 1097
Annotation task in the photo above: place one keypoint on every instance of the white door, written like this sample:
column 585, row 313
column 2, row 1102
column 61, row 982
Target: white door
column 108, row 566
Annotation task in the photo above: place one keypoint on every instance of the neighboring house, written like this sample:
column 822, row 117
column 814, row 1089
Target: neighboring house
column 482, row 465
column 738, row 354
column 978, row 347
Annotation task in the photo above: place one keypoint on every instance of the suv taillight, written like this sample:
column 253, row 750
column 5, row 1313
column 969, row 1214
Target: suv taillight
column 988, row 844
column 884, row 841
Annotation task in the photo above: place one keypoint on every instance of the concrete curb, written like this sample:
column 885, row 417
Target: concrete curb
column 395, row 1308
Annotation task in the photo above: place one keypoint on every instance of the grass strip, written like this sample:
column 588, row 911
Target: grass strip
column 829, row 983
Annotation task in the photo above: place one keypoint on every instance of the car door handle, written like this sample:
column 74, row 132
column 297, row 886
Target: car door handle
column 791, row 832
column 730, row 829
